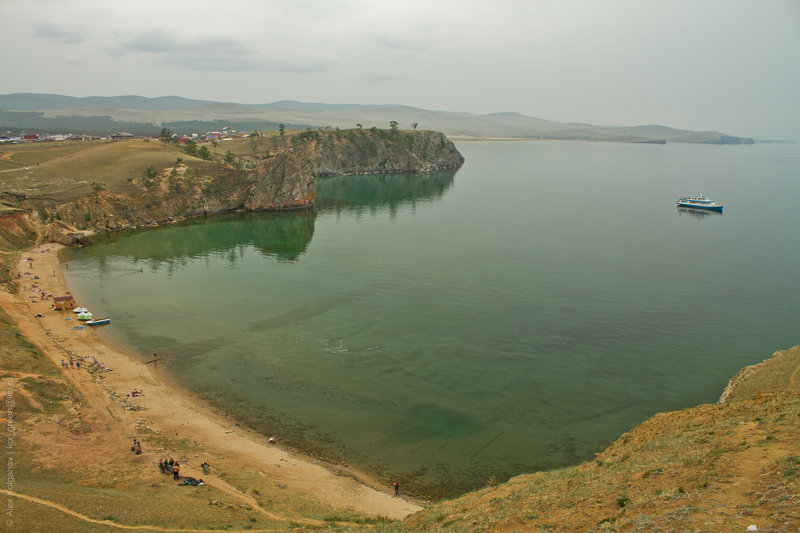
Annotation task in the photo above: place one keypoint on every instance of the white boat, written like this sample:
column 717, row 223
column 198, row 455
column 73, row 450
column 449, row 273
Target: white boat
column 80, row 310
column 699, row 202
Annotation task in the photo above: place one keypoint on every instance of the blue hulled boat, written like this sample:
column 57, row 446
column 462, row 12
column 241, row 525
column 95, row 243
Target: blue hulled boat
column 699, row 202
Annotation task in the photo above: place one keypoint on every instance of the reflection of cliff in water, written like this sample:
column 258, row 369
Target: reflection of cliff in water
column 375, row 192
column 284, row 236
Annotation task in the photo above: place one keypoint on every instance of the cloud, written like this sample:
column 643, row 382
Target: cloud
column 56, row 33
column 158, row 41
column 211, row 53
column 380, row 78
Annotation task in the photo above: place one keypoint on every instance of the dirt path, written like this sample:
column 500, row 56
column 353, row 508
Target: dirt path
column 110, row 523
column 793, row 377
column 165, row 408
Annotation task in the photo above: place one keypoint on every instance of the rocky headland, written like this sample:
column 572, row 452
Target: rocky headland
column 282, row 181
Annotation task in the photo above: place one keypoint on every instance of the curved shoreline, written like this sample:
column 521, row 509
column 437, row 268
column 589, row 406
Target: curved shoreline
column 171, row 411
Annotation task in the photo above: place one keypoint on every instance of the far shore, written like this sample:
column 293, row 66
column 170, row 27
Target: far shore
column 165, row 408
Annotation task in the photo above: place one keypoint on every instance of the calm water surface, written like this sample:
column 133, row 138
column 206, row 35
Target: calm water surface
column 439, row 330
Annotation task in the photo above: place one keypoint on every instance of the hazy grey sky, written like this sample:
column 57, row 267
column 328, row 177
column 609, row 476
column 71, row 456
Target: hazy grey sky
column 729, row 65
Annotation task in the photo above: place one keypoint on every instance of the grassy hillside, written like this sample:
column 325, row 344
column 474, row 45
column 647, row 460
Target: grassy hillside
column 65, row 170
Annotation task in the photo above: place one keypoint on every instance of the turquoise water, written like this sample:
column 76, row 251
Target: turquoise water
column 438, row 330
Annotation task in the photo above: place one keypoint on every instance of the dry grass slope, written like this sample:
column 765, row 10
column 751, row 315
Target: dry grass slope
column 63, row 171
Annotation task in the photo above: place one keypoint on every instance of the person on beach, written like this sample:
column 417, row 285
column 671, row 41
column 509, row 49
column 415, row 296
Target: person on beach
column 204, row 466
column 396, row 488
column 176, row 470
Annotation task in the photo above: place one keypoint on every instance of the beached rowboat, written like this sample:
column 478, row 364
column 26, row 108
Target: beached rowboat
column 98, row 322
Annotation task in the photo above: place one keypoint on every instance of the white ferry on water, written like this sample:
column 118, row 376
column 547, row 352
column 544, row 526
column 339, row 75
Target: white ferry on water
column 699, row 202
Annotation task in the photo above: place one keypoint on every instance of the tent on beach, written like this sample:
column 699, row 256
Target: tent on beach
column 64, row 302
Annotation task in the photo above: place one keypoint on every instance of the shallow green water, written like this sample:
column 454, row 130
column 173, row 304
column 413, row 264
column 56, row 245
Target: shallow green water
column 443, row 329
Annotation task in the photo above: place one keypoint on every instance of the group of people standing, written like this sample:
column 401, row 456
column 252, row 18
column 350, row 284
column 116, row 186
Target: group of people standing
column 173, row 466
column 170, row 466
column 71, row 363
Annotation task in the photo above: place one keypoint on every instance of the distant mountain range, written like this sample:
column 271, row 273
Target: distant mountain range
column 143, row 115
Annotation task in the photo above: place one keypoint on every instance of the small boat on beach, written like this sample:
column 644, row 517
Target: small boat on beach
column 699, row 202
column 98, row 322
column 85, row 316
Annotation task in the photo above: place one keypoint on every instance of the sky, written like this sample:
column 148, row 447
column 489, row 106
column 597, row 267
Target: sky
column 726, row 65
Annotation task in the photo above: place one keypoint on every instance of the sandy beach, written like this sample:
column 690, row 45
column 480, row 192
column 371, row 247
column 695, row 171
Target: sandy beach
column 164, row 408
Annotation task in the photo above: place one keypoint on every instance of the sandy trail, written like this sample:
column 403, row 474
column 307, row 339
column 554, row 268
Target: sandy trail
column 165, row 407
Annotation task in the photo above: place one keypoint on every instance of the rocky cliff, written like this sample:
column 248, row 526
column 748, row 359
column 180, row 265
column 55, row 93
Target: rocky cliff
column 283, row 181
column 374, row 151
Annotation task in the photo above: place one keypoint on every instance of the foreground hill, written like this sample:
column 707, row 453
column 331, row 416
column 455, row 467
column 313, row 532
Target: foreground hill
column 139, row 113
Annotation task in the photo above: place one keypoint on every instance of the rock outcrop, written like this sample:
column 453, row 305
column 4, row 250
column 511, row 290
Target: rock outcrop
column 281, row 182
column 380, row 151
column 775, row 374
column 18, row 230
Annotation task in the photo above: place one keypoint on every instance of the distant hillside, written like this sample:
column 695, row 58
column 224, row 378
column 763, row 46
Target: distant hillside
column 166, row 110
column 38, row 102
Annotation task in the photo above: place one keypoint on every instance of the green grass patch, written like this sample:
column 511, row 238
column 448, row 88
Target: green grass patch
column 17, row 354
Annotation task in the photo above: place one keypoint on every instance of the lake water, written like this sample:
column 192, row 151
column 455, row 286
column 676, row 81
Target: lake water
column 439, row 330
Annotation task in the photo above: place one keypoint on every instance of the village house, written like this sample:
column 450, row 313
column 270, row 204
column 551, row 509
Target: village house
column 123, row 135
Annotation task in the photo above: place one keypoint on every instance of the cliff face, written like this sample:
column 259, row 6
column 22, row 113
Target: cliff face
column 284, row 181
column 17, row 230
column 380, row 151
